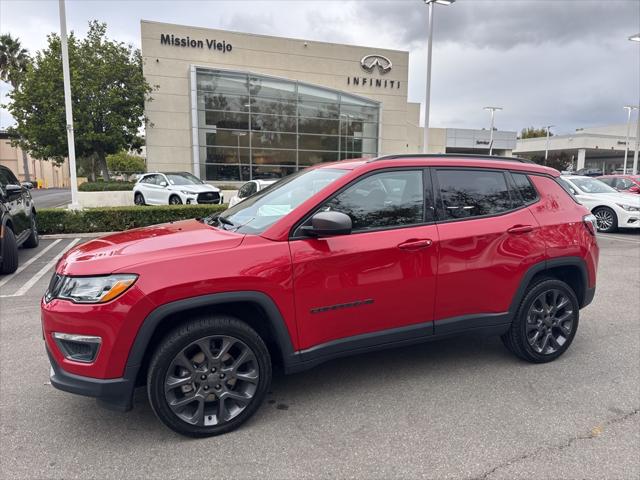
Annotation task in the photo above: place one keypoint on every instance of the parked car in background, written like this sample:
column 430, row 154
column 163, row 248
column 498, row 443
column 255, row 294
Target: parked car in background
column 623, row 183
column 18, row 225
column 333, row 260
column 590, row 172
column 248, row 189
column 611, row 208
column 174, row 188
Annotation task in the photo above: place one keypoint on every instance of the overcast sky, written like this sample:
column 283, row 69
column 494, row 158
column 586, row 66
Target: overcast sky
column 562, row 62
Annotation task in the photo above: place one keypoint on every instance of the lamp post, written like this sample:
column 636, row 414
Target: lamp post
column 427, row 100
column 546, row 148
column 493, row 112
column 636, row 38
column 239, row 134
column 66, row 77
column 629, row 109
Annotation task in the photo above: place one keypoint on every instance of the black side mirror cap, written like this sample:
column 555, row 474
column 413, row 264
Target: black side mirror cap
column 324, row 224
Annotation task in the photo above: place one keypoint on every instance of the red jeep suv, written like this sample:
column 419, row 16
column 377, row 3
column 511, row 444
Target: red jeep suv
column 337, row 259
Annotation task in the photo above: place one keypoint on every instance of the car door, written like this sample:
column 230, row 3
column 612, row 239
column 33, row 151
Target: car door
column 377, row 279
column 16, row 202
column 152, row 189
column 488, row 240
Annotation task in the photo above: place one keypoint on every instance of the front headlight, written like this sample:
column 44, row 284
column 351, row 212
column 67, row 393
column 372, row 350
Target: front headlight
column 186, row 192
column 628, row 208
column 90, row 289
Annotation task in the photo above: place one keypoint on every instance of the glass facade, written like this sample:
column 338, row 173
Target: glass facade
column 252, row 126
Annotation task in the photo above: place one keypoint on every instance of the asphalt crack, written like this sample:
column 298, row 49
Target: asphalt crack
column 593, row 433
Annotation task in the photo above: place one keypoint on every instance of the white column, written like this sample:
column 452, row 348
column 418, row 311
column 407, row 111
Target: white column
column 582, row 153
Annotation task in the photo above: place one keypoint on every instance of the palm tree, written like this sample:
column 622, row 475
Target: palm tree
column 14, row 61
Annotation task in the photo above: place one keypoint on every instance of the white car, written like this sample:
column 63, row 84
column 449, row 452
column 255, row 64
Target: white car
column 249, row 189
column 611, row 208
column 174, row 188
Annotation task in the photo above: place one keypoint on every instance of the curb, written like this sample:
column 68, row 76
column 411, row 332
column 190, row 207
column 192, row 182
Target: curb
column 76, row 235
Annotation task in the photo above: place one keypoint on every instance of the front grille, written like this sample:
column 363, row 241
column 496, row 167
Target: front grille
column 209, row 197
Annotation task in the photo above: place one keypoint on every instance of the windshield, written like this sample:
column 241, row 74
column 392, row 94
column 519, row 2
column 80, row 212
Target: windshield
column 258, row 212
column 592, row 185
column 183, row 179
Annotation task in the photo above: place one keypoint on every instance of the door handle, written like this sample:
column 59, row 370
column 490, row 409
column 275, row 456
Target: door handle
column 520, row 229
column 415, row 244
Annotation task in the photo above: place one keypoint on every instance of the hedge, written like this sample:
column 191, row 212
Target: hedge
column 111, row 219
column 111, row 186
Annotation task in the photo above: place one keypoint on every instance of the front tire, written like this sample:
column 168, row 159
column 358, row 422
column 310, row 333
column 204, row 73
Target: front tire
column 546, row 322
column 606, row 219
column 209, row 376
column 138, row 199
column 9, row 252
column 175, row 200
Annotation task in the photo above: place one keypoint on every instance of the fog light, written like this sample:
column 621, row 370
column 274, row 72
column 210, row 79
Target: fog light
column 79, row 348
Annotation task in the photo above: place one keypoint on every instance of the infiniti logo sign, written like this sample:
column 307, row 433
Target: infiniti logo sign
column 370, row 62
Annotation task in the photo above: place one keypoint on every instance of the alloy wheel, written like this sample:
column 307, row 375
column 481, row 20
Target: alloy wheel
column 604, row 219
column 175, row 201
column 550, row 321
column 212, row 380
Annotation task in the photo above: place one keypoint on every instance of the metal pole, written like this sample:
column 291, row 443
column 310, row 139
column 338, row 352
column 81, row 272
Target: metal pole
column 427, row 100
column 546, row 148
column 626, row 143
column 493, row 112
column 635, row 153
column 239, row 161
column 67, row 107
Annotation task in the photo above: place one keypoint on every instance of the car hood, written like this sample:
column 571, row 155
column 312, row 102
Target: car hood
column 622, row 198
column 194, row 188
column 121, row 251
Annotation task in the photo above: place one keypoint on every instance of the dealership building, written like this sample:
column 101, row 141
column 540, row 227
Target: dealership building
column 232, row 106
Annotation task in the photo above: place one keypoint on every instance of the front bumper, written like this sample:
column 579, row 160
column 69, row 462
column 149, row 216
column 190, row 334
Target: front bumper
column 113, row 393
column 628, row 219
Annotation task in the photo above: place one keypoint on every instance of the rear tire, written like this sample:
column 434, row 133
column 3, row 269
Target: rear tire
column 606, row 219
column 545, row 323
column 33, row 240
column 208, row 376
column 9, row 252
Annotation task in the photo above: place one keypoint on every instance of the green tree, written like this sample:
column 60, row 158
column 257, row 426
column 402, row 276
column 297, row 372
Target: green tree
column 14, row 61
column 532, row 132
column 123, row 162
column 108, row 93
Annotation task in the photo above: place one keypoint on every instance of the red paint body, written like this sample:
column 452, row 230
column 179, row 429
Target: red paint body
column 458, row 268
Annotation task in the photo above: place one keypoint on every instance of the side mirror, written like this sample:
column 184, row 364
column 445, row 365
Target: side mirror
column 27, row 185
column 325, row 224
column 163, row 184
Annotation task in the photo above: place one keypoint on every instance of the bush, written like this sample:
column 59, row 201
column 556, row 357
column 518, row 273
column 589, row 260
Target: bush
column 100, row 186
column 112, row 219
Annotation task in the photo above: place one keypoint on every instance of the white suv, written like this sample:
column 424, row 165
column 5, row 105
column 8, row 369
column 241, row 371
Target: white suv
column 611, row 208
column 174, row 188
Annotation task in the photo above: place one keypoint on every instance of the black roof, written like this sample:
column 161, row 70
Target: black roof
column 453, row 155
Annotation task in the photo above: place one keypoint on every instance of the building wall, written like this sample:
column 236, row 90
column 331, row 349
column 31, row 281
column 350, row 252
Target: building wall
column 46, row 172
column 166, row 66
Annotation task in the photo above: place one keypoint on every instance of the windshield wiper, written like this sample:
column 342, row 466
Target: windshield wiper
column 225, row 221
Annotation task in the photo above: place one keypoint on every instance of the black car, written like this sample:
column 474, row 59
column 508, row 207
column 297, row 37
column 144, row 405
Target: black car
column 18, row 220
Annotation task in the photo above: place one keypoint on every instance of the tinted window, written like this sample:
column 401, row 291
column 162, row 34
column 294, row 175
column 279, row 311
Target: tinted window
column 4, row 177
column 247, row 189
column 388, row 199
column 523, row 185
column 471, row 193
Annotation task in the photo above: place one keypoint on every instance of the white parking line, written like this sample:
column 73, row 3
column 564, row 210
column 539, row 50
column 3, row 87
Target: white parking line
column 32, row 281
column 29, row 262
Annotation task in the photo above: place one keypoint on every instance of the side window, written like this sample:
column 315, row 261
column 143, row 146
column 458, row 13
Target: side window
column 472, row 193
column 387, row 199
column 524, row 186
column 4, row 178
column 624, row 184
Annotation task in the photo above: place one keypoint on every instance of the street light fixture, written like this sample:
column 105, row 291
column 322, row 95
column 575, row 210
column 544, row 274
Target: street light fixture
column 546, row 148
column 427, row 100
column 629, row 109
column 493, row 112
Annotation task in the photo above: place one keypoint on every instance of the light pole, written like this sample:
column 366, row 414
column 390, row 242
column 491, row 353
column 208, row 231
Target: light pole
column 67, row 107
column 629, row 109
column 239, row 134
column 546, row 148
column 636, row 38
column 427, row 100
column 493, row 112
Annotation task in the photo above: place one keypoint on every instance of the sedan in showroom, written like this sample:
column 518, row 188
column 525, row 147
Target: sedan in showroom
column 174, row 188
column 611, row 208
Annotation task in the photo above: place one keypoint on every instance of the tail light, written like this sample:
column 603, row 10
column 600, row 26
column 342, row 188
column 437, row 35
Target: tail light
column 590, row 223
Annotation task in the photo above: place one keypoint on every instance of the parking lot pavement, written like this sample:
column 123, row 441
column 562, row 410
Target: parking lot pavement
column 51, row 197
column 460, row 408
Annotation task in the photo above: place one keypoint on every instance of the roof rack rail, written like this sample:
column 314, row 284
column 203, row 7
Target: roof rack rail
column 452, row 155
